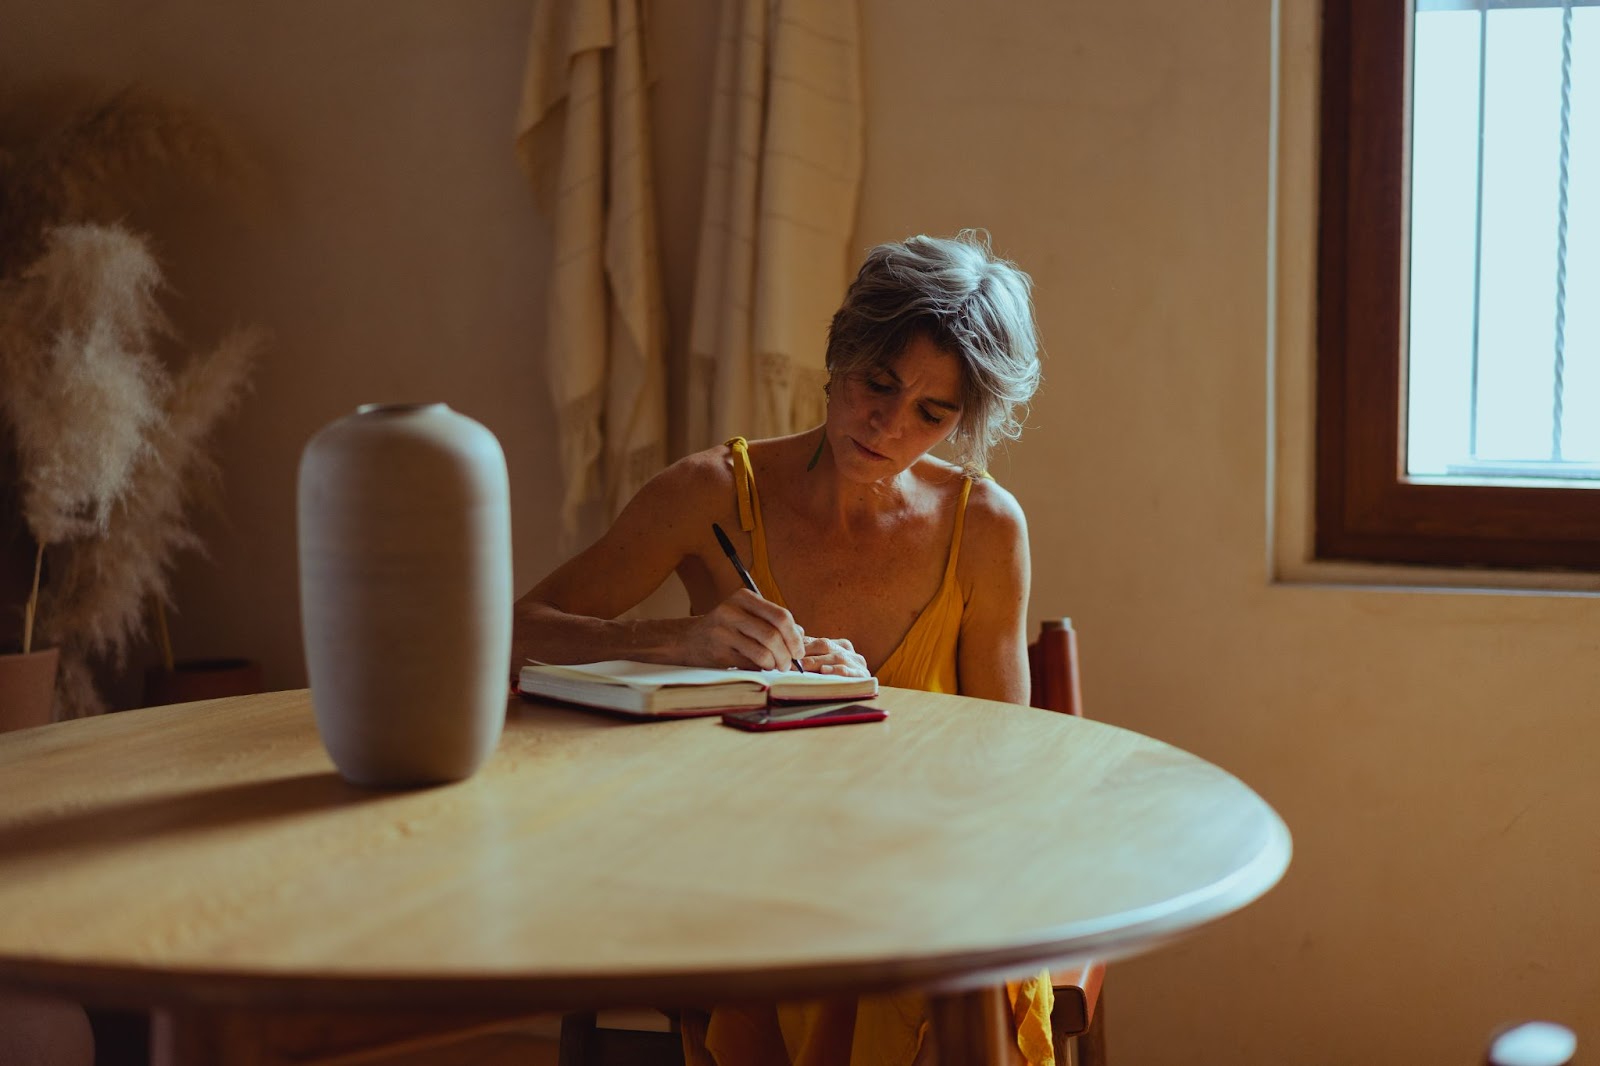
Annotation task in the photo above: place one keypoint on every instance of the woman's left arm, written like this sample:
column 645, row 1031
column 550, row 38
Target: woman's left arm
column 995, row 574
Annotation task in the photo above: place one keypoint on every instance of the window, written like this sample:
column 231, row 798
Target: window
column 1458, row 384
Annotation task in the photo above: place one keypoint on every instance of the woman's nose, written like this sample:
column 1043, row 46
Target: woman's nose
column 889, row 416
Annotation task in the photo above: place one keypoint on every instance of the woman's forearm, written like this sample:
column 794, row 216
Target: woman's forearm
column 543, row 631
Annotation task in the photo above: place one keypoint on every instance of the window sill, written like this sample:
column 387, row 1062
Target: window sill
column 1380, row 577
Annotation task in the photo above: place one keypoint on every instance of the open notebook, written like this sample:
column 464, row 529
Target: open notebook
column 680, row 691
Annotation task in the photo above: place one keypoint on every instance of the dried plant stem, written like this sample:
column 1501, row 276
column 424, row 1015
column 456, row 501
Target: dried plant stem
column 163, row 639
column 32, row 606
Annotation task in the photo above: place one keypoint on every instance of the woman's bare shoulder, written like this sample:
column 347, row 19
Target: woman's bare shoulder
column 712, row 467
column 994, row 517
column 994, row 560
column 699, row 481
column 987, row 500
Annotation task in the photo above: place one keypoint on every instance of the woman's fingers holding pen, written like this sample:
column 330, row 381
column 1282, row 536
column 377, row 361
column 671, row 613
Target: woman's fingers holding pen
column 779, row 639
column 746, row 630
column 827, row 656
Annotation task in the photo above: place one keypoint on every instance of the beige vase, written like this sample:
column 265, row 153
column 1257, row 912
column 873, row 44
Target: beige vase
column 405, row 592
column 27, row 685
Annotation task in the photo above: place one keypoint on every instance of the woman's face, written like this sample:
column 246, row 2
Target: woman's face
column 881, row 420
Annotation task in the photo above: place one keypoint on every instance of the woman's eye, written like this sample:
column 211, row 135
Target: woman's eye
column 879, row 387
column 929, row 417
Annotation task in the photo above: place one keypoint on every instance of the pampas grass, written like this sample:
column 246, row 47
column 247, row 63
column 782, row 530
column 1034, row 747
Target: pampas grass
column 110, row 444
column 108, row 433
column 82, row 388
column 99, row 605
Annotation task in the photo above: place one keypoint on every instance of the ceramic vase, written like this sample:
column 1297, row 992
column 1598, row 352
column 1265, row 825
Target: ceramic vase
column 405, row 592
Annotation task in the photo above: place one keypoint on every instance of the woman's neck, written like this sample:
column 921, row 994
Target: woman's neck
column 836, row 503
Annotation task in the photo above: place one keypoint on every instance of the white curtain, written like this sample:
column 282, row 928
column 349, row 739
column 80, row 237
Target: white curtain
column 783, row 176
column 584, row 139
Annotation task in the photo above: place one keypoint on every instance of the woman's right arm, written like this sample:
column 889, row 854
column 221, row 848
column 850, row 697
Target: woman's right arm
column 571, row 616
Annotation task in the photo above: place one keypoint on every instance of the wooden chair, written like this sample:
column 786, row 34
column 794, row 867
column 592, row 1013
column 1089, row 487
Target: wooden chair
column 1077, row 1024
column 586, row 1043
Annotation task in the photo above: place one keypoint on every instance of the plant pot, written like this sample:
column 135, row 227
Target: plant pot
column 201, row 679
column 27, row 687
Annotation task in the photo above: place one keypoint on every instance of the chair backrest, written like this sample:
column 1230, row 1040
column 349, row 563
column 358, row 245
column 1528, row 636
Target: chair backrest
column 1053, row 668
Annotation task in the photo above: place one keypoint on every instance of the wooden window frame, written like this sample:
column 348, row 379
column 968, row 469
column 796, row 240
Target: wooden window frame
column 1366, row 509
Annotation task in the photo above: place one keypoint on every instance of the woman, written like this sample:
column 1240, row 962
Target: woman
column 872, row 556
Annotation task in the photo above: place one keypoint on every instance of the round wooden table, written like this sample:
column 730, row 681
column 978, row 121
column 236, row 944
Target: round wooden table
column 206, row 860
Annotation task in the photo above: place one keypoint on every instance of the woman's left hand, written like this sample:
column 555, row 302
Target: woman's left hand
column 834, row 657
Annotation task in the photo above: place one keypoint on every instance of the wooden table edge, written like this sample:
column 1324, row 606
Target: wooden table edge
column 1119, row 936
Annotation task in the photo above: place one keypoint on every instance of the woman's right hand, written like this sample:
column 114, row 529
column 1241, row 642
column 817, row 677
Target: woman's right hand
column 746, row 631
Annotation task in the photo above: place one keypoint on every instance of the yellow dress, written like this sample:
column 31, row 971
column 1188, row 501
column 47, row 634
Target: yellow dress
column 872, row 1030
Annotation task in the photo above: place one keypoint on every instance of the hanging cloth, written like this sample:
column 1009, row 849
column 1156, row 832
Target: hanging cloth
column 583, row 136
column 783, row 175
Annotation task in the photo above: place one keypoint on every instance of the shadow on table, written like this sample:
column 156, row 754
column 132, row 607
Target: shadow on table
column 189, row 811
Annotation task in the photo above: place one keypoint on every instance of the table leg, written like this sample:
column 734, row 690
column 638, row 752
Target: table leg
column 190, row 1037
column 973, row 1028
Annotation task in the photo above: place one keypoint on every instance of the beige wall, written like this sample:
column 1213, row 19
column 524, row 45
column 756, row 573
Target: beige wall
column 398, row 256
column 1431, row 751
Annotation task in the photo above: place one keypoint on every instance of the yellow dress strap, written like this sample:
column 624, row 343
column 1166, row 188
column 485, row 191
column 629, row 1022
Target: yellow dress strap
column 744, row 483
column 955, row 537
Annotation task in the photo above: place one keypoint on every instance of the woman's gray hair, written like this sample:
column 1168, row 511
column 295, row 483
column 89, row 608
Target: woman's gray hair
column 969, row 303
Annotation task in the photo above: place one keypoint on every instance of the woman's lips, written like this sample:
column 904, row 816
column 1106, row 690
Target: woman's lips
column 868, row 452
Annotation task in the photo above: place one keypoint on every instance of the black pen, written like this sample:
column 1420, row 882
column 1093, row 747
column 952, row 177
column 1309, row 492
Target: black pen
column 744, row 575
